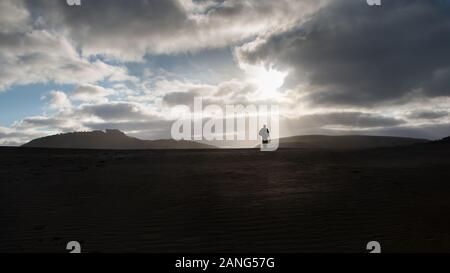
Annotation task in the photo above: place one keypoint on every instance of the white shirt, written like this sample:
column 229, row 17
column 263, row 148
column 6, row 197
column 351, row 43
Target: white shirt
column 264, row 133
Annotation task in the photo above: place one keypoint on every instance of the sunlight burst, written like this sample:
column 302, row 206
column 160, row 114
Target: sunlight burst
column 268, row 81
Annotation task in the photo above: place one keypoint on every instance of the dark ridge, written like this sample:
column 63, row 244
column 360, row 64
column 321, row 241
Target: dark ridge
column 445, row 140
column 109, row 140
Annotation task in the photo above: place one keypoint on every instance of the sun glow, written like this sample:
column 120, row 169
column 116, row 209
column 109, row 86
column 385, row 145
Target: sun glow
column 268, row 81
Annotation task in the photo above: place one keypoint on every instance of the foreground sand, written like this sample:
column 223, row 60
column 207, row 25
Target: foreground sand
column 225, row 200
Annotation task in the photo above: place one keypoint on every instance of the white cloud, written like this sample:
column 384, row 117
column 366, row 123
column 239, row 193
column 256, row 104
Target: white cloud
column 31, row 53
column 59, row 101
column 91, row 93
column 41, row 57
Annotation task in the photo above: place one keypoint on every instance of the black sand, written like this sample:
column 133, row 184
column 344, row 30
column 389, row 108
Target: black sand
column 225, row 200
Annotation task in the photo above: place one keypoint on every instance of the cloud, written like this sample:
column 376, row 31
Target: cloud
column 164, row 26
column 14, row 16
column 41, row 57
column 428, row 115
column 30, row 53
column 355, row 120
column 59, row 100
column 351, row 54
column 179, row 98
column 91, row 93
column 14, row 137
column 115, row 111
column 41, row 122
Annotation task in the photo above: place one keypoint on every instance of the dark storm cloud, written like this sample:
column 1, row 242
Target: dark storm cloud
column 428, row 114
column 115, row 111
column 127, row 30
column 110, row 26
column 39, row 122
column 347, row 119
column 235, row 8
column 354, row 54
column 179, row 98
column 112, row 16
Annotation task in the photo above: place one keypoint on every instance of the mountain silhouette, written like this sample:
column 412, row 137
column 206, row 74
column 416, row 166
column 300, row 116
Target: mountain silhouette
column 109, row 140
column 445, row 140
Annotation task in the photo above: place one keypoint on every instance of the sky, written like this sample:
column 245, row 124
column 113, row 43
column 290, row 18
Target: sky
column 332, row 66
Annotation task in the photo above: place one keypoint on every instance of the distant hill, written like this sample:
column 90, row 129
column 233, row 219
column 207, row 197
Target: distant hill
column 442, row 142
column 110, row 140
column 117, row 140
column 445, row 140
column 351, row 142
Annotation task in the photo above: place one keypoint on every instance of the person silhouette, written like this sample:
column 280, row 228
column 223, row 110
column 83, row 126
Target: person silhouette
column 265, row 134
